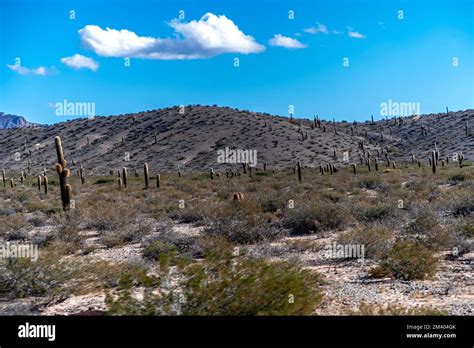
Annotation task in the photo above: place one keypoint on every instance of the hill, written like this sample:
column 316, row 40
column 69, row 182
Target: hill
column 167, row 137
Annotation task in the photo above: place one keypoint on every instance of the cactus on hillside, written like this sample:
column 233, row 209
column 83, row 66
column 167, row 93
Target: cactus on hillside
column 354, row 168
column 460, row 159
column 298, row 165
column 63, row 173
column 433, row 161
column 124, row 177
column 146, row 175
column 158, row 181
column 45, row 184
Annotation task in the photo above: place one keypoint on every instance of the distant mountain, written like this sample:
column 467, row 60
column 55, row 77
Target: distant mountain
column 193, row 136
column 14, row 121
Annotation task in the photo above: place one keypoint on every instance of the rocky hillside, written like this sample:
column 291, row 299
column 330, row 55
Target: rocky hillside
column 13, row 121
column 167, row 137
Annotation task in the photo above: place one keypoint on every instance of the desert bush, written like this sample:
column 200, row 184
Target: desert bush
column 368, row 212
column 127, row 234
column 463, row 204
column 315, row 217
column 108, row 215
column 466, row 228
column 104, row 181
column 243, row 229
column 68, row 226
column 23, row 277
column 408, row 261
column 370, row 182
column 425, row 230
column 375, row 238
column 394, row 309
column 457, row 177
column 157, row 248
column 250, row 287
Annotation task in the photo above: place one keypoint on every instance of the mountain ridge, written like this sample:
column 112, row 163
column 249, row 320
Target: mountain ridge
column 167, row 137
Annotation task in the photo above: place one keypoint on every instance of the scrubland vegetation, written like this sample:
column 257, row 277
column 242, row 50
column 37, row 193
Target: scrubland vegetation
column 189, row 248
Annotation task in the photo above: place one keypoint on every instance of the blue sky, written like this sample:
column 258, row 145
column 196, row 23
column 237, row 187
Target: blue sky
column 191, row 60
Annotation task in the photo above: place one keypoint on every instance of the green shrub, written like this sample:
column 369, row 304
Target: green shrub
column 370, row 182
column 408, row 261
column 250, row 287
column 426, row 231
column 375, row 238
column 373, row 212
column 242, row 229
column 22, row 277
column 457, row 177
column 394, row 309
column 316, row 217
column 463, row 204
column 157, row 248
column 104, row 181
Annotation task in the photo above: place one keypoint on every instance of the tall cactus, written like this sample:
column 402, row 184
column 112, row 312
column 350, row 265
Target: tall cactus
column 158, row 180
column 300, row 178
column 146, row 175
column 45, row 184
column 39, row 183
column 81, row 175
column 433, row 161
column 460, row 159
column 63, row 173
column 124, row 177
column 4, row 178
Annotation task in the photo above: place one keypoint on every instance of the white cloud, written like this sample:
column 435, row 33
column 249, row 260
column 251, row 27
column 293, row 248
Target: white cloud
column 22, row 70
column 287, row 42
column 207, row 37
column 78, row 61
column 321, row 28
column 355, row 34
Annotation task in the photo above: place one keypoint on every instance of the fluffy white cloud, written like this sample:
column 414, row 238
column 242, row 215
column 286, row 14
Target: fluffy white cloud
column 22, row 70
column 321, row 28
column 354, row 34
column 78, row 61
column 285, row 41
column 209, row 36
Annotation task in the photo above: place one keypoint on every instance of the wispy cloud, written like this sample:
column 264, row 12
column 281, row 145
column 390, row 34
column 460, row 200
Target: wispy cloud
column 78, row 61
column 355, row 34
column 285, row 41
column 23, row 70
column 207, row 37
column 320, row 28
